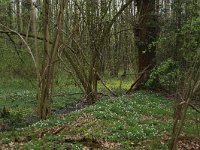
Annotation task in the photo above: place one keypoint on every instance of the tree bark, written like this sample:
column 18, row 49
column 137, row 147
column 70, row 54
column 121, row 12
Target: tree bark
column 146, row 34
column 49, row 58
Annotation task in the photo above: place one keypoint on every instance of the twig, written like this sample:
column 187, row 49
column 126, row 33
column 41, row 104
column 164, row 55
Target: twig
column 66, row 94
column 24, row 41
column 197, row 110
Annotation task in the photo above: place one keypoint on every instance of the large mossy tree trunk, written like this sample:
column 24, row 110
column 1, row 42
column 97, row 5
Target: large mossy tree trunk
column 146, row 34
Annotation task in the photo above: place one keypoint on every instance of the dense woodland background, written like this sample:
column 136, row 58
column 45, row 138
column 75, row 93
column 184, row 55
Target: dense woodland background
column 144, row 45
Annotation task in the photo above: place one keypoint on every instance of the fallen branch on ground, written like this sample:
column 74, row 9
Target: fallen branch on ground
column 138, row 80
column 104, row 84
column 67, row 94
column 60, row 129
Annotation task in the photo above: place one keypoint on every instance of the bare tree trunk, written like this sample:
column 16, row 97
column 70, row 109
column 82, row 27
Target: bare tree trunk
column 18, row 15
column 49, row 58
column 191, row 87
column 10, row 14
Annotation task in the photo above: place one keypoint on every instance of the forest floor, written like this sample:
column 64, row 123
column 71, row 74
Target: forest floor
column 142, row 120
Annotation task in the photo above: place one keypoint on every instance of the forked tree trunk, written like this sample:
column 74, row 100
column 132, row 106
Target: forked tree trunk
column 49, row 58
column 98, row 33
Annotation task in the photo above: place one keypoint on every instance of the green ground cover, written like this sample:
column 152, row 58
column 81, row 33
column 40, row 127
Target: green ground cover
column 142, row 120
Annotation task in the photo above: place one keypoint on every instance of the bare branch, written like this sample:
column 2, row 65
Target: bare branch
column 23, row 34
column 24, row 41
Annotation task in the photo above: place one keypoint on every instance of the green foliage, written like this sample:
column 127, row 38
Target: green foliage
column 190, row 33
column 15, row 121
column 163, row 76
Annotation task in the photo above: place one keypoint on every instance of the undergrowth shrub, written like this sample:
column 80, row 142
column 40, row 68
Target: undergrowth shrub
column 163, row 76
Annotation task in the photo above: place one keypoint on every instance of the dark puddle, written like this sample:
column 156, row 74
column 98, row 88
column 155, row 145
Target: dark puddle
column 75, row 106
column 18, row 121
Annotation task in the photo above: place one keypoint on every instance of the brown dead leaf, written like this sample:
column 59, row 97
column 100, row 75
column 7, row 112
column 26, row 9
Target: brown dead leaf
column 188, row 143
